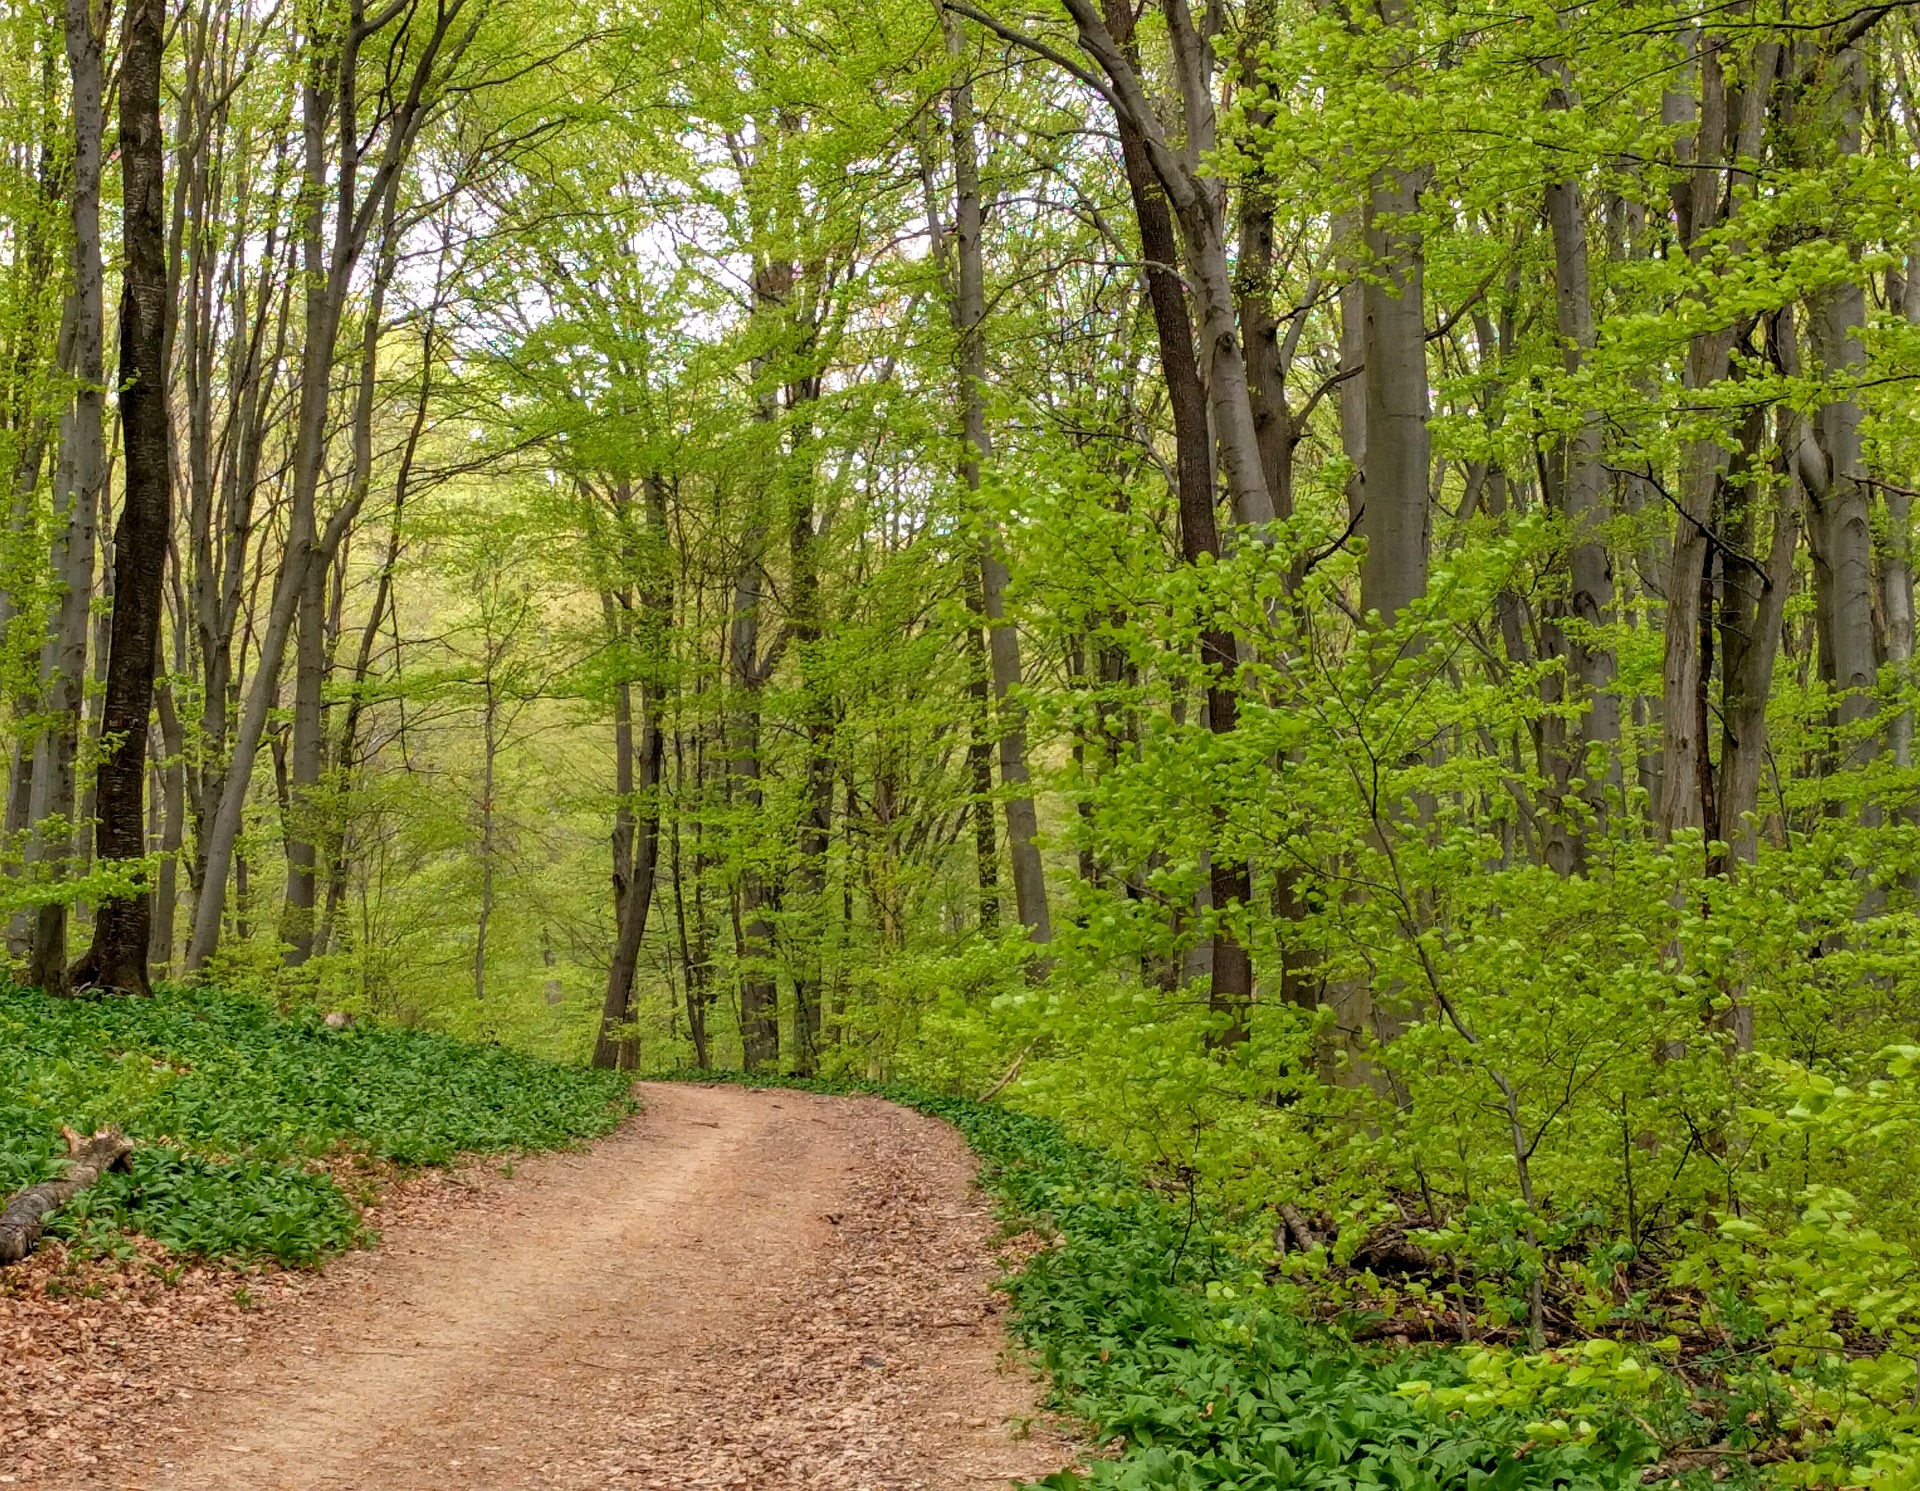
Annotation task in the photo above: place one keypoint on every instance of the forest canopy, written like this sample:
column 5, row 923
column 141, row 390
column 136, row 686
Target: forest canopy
column 1321, row 591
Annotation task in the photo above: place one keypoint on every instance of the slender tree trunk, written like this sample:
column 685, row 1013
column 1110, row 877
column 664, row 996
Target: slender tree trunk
column 1003, row 641
column 489, row 757
column 637, row 833
column 172, row 786
column 693, row 970
column 986, row 851
column 808, row 935
column 329, row 274
column 1228, row 879
column 1896, row 565
column 80, row 481
column 1726, row 129
column 1752, row 608
column 1584, row 501
column 118, row 957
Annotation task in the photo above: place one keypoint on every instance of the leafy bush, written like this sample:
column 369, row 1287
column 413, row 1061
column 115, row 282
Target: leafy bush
column 231, row 1103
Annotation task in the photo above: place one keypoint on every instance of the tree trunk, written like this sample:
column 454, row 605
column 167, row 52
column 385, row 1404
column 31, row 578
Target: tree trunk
column 122, row 924
column 1395, row 518
column 1003, row 641
column 986, row 851
column 80, row 481
column 172, row 787
column 637, row 833
column 1728, row 129
column 1840, row 525
column 808, row 910
column 1228, row 878
column 1194, row 198
column 1583, row 490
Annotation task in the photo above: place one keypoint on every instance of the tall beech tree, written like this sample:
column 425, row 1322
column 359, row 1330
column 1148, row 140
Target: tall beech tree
column 117, row 959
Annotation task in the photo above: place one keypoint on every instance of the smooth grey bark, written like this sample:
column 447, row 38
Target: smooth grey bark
column 969, row 311
column 1577, row 464
column 1227, row 888
column 1727, row 128
column 1896, row 562
column 1198, row 209
column 1395, row 516
column 78, row 485
column 1840, row 518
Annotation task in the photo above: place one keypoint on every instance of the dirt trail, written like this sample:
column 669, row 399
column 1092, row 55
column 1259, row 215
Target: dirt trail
column 739, row 1289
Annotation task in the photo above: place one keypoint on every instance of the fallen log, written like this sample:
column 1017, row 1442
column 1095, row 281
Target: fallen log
column 1294, row 1221
column 26, row 1213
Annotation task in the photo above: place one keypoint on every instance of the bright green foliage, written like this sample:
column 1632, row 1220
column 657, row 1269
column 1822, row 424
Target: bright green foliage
column 230, row 1103
column 1155, row 1327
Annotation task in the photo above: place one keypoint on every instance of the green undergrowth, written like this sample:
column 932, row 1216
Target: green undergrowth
column 235, row 1107
column 1189, row 1365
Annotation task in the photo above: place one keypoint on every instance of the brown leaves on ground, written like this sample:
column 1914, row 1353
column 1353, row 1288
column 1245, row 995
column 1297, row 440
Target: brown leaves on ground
column 739, row 1290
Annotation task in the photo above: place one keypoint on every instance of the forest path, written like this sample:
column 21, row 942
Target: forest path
column 738, row 1289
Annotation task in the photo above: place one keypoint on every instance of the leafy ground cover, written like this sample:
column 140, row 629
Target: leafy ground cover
column 243, row 1114
column 1155, row 1327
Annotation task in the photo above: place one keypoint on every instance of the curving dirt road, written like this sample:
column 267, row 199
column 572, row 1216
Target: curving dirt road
column 738, row 1290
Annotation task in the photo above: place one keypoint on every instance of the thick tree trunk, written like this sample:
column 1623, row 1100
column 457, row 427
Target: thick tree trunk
column 122, row 924
column 1395, row 515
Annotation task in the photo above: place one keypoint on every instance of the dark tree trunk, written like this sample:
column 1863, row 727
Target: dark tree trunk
column 122, row 925
column 1228, row 879
column 637, row 829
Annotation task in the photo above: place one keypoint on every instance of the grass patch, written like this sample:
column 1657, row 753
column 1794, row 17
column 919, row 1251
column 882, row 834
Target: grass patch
column 230, row 1101
column 1154, row 1329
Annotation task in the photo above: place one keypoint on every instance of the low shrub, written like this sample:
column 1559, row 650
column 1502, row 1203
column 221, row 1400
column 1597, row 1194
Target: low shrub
column 232, row 1104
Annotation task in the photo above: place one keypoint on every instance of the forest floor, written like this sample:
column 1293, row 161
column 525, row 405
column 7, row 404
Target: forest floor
column 738, row 1289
